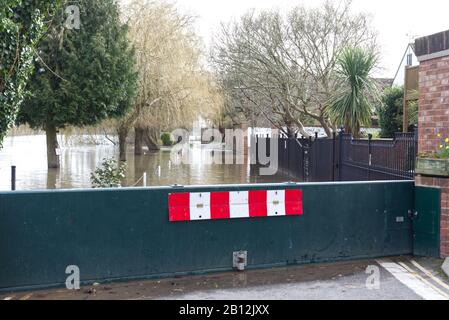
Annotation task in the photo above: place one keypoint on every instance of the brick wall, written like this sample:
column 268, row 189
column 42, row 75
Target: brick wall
column 433, row 103
column 433, row 54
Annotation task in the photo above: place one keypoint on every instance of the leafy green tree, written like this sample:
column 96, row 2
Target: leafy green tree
column 413, row 109
column 22, row 23
column 351, row 105
column 390, row 112
column 83, row 76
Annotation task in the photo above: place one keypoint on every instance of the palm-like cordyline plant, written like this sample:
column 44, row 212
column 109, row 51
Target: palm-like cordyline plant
column 351, row 105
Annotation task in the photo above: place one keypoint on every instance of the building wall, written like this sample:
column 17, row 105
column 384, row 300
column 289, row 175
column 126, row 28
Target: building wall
column 433, row 54
column 433, row 103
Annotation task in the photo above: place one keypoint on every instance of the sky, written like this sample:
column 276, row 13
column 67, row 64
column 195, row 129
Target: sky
column 398, row 22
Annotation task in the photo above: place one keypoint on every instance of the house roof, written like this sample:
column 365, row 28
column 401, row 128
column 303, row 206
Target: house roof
column 384, row 83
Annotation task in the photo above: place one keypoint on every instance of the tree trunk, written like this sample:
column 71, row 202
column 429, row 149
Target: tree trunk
column 52, row 178
column 326, row 127
column 122, row 136
column 356, row 132
column 301, row 129
column 138, row 141
column 52, row 145
column 150, row 138
column 291, row 133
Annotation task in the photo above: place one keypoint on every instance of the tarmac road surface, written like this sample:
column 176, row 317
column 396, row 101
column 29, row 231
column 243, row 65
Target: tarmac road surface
column 403, row 278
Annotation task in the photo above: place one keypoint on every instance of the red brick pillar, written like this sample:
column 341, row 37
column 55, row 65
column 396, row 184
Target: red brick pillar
column 433, row 54
column 444, row 185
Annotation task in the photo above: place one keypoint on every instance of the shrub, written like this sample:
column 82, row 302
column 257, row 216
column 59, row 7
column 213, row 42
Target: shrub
column 390, row 113
column 109, row 175
column 166, row 139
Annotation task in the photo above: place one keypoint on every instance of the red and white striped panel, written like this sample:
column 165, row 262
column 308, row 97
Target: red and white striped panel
column 236, row 204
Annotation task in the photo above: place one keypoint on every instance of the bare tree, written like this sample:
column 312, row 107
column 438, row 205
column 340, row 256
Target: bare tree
column 283, row 65
column 173, row 88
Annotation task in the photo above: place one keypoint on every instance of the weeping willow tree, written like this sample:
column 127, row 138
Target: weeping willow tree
column 173, row 88
column 352, row 104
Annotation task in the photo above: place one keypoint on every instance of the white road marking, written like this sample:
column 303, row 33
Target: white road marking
column 416, row 283
column 424, row 280
column 430, row 275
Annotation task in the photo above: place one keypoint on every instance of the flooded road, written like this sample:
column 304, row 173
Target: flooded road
column 28, row 154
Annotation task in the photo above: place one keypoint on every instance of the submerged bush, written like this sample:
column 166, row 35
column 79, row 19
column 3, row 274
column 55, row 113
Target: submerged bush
column 109, row 175
column 166, row 139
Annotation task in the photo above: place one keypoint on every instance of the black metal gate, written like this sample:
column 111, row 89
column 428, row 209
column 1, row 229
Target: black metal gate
column 367, row 159
column 343, row 158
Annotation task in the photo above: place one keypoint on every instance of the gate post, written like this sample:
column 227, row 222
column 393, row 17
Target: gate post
column 310, row 167
column 370, row 155
column 433, row 55
column 257, row 150
column 340, row 155
column 334, row 137
column 13, row 178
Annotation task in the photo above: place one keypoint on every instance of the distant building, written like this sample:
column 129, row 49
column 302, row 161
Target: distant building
column 384, row 83
column 409, row 59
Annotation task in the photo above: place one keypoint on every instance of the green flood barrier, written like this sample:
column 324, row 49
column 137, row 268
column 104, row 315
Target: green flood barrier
column 124, row 234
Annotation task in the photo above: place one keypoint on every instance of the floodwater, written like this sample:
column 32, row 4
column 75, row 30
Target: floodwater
column 79, row 160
